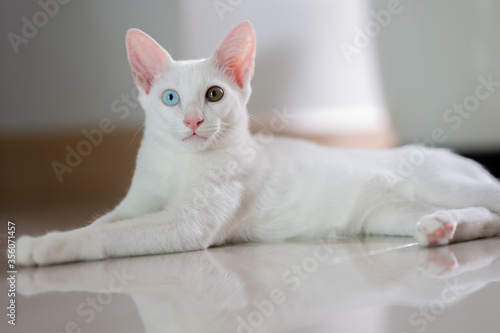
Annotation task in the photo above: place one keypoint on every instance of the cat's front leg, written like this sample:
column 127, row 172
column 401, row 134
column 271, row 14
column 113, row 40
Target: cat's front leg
column 136, row 203
column 54, row 247
column 161, row 232
column 37, row 250
column 109, row 217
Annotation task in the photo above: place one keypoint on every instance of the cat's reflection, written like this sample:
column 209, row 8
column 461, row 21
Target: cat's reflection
column 276, row 288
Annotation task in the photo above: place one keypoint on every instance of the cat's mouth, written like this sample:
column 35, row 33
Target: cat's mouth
column 194, row 136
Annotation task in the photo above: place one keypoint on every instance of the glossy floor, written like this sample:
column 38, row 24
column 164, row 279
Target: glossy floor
column 349, row 285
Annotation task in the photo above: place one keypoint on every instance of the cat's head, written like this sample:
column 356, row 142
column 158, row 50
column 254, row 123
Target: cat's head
column 195, row 105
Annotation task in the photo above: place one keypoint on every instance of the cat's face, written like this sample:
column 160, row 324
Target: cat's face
column 195, row 105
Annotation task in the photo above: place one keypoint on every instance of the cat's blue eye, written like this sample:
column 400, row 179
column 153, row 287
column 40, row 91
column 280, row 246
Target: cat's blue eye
column 170, row 97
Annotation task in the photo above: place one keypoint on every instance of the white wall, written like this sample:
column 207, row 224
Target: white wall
column 299, row 63
column 431, row 56
column 69, row 74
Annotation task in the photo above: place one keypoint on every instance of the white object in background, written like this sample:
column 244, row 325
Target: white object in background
column 436, row 60
column 300, row 65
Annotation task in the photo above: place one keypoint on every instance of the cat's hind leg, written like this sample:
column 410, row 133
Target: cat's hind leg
column 456, row 225
column 395, row 218
column 429, row 224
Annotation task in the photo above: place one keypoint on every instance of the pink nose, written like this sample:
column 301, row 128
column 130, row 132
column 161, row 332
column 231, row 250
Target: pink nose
column 193, row 123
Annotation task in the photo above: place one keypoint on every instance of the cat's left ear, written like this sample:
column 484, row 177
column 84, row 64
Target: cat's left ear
column 236, row 54
column 146, row 57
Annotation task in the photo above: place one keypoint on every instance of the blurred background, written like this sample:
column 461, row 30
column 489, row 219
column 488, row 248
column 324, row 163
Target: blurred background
column 359, row 73
column 364, row 73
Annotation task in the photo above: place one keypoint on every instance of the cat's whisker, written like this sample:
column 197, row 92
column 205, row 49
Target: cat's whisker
column 139, row 132
column 221, row 134
column 257, row 120
column 220, row 140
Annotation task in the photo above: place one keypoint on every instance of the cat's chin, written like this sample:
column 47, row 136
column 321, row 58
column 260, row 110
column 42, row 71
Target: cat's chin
column 196, row 142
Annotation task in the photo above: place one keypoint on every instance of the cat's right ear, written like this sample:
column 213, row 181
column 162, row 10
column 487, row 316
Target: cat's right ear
column 147, row 59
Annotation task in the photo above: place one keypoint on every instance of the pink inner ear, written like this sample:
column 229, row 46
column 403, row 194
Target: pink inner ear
column 236, row 54
column 146, row 57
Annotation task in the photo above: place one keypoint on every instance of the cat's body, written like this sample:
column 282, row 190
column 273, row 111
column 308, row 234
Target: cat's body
column 201, row 179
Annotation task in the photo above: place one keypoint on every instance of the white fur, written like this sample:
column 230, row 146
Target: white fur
column 189, row 194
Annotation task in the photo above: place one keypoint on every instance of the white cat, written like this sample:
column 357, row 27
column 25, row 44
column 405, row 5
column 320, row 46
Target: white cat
column 202, row 179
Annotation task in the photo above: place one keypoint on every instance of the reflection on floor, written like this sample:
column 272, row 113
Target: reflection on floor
column 350, row 285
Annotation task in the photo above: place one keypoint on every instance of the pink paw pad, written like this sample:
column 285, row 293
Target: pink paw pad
column 433, row 230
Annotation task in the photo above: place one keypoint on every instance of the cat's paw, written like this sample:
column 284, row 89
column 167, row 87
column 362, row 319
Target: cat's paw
column 24, row 250
column 51, row 250
column 435, row 229
column 45, row 250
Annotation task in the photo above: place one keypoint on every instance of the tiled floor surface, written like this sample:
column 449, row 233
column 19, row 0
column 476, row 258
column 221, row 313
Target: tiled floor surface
column 368, row 284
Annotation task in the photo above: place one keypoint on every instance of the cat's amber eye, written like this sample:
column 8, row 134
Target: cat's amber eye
column 214, row 94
